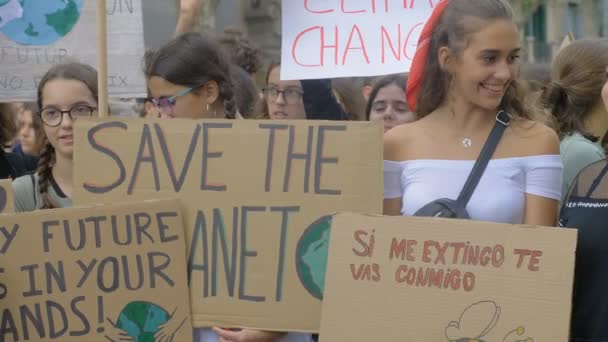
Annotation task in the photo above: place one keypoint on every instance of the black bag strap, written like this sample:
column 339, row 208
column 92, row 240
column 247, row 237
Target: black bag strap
column 502, row 122
column 596, row 181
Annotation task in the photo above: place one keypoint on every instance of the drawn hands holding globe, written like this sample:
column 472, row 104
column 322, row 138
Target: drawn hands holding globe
column 114, row 334
column 145, row 321
column 166, row 332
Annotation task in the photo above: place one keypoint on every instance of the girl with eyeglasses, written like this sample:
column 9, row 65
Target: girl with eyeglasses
column 299, row 100
column 66, row 93
column 190, row 78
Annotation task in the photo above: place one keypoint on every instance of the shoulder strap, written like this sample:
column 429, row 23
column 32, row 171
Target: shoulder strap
column 596, row 181
column 502, row 122
column 33, row 178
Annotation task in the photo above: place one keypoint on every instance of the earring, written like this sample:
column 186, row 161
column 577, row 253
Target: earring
column 213, row 114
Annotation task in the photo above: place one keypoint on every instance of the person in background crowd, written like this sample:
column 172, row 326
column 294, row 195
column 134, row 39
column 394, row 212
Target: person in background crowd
column 574, row 98
column 585, row 208
column 348, row 94
column 12, row 165
column 284, row 99
column 190, row 78
column 30, row 131
column 11, row 110
column 66, row 92
column 299, row 100
column 387, row 102
column 461, row 77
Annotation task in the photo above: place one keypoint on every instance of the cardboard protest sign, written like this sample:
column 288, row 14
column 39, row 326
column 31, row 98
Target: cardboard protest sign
column 254, row 194
column 325, row 39
column 34, row 35
column 7, row 202
column 414, row 279
column 97, row 274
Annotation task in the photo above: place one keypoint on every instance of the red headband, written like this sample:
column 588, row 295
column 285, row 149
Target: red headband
column 416, row 74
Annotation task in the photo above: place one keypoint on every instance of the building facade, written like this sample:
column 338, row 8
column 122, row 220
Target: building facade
column 546, row 23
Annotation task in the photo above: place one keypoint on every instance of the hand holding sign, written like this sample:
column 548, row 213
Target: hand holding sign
column 246, row 335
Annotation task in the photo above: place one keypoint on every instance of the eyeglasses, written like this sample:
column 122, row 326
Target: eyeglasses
column 53, row 117
column 165, row 105
column 290, row 95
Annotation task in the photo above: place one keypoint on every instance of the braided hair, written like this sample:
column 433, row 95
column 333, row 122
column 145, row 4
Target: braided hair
column 70, row 71
column 191, row 60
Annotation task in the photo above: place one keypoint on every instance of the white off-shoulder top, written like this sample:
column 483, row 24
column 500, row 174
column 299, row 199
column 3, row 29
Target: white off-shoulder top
column 499, row 197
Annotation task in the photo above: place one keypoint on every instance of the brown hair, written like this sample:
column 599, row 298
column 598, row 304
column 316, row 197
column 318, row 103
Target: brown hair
column 399, row 80
column 271, row 66
column 70, row 71
column 348, row 93
column 536, row 76
column 461, row 19
column 577, row 77
column 8, row 128
column 32, row 107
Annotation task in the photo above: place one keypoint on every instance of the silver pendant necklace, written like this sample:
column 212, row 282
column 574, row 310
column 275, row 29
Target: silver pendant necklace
column 467, row 142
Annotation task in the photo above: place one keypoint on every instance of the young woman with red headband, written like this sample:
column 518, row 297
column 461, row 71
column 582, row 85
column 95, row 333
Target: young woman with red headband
column 463, row 74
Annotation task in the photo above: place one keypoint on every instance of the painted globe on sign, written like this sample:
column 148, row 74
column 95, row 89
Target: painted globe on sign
column 42, row 22
column 311, row 256
column 141, row 320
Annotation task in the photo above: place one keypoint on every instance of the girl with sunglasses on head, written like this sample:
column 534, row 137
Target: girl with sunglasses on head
column 66, row 93
column 461, row 85
column 190, row 78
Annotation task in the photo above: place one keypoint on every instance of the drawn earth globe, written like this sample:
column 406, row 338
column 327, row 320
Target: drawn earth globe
column 43, row 22
column 141, row 320
column 311, row 256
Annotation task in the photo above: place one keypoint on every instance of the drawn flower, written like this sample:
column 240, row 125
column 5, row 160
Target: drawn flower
column 516, row 336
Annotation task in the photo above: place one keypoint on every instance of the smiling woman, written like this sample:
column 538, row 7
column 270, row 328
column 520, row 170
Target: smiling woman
column 459, row 83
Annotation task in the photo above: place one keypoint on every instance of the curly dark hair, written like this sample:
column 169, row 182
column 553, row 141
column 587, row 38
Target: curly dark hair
column 241, row 50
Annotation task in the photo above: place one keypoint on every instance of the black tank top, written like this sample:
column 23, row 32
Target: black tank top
column 586, row 209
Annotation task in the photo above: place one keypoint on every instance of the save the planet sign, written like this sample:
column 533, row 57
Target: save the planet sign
column 256, row 197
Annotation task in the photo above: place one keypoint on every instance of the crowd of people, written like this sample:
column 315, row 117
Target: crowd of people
column 466, row 80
